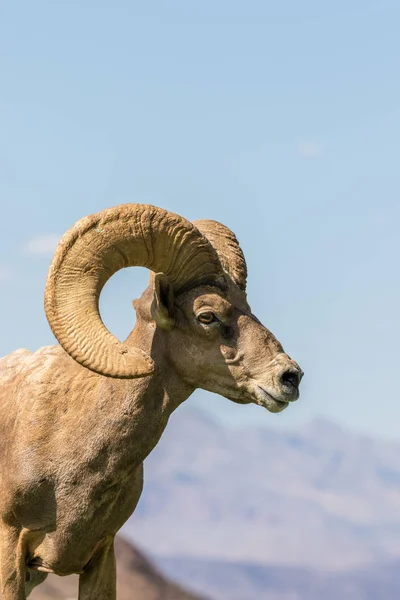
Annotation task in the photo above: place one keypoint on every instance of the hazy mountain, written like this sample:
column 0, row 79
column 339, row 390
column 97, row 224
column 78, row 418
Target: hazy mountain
column 138, row 579
column 244, row 581
column 318, row 497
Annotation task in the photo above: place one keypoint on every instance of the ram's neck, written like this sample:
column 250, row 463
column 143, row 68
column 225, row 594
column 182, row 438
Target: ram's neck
column 164, row 390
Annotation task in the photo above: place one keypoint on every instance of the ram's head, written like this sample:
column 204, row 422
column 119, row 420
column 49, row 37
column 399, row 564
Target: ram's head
column 203, row 327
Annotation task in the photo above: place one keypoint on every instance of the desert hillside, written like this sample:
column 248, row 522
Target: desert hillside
column 138, row 579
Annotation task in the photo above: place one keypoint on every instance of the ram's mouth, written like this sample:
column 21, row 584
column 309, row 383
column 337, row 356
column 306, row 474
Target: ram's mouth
column 259, row 396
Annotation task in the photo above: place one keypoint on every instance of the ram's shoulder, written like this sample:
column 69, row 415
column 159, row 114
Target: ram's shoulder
column 22, row 362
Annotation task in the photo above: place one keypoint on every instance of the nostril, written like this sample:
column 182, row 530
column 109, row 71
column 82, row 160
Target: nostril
column 291, row 378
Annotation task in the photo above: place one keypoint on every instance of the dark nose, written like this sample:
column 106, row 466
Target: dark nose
column 291, row 378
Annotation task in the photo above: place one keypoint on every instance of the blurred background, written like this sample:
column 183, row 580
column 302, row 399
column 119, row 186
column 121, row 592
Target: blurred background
column 282, row 120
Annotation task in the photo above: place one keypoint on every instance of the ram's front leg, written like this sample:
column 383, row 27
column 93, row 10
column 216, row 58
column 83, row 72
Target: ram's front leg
column 13, row 562
column 98, row 581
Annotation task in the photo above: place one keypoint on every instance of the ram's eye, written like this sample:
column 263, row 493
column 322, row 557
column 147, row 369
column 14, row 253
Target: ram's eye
column 207, row 318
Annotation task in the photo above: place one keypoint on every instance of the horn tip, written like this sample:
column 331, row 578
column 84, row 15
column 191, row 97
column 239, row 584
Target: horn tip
column 137, row 363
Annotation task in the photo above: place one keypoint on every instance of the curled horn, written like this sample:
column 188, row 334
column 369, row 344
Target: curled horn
column 227, row 247
column 93, row 250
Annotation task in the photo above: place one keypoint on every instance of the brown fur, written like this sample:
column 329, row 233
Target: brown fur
column 73, row 442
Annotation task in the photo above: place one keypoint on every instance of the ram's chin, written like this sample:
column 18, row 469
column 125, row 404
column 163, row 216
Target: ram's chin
column 275, row 406
column 262, row 398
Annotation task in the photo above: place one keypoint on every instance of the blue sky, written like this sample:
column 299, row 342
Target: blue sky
column 280, row 119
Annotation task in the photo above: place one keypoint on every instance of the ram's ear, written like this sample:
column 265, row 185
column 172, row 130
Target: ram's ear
column 162, row 306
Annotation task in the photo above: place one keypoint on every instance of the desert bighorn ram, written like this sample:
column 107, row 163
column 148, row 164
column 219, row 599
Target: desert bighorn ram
column 77, row 420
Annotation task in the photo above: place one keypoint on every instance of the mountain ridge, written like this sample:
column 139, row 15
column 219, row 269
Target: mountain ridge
column 246, row 581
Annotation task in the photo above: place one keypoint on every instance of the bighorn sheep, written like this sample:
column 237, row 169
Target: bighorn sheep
column 77, row 420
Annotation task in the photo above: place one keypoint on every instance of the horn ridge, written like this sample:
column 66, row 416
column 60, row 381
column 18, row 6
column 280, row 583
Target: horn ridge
column 228, row 249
